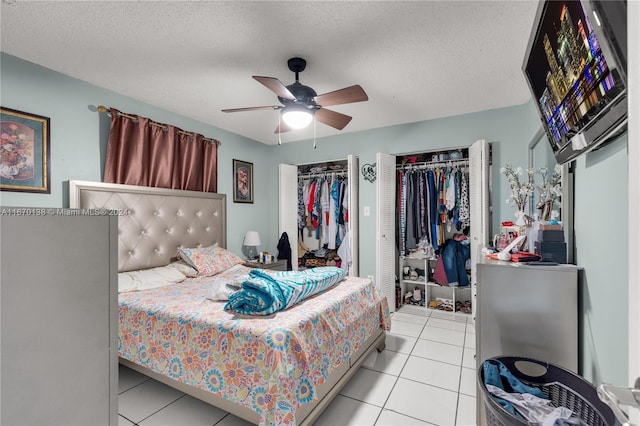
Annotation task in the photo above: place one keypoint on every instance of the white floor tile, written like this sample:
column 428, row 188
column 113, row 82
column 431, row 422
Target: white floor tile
column 145, row 399
column 442, row 335
column 124, row 422
column 427, row 403
column 128, row 378
column 415, row 319
column 414, row 310
column 232, row 420
column 369, row 386
column 448, row 324
column 434, row 373
column 185, row 411
column 466, row 415
column 460, row 317
column 399, row 343
column 469, row 358
column 406, row 328
column 468, row 379
column 438, row 351
column 386, row 362
column 471, row 328
column 441, row 314
column 470, row 340
column 345, row 411
column 391, row 418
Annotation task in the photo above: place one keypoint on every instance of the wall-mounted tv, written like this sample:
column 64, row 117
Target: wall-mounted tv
column 575, row 65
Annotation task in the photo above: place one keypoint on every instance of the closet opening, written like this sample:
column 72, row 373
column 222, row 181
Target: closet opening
column 319, row 212
column 432, row 230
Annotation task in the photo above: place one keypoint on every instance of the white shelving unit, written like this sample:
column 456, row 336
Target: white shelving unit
column 431, row 289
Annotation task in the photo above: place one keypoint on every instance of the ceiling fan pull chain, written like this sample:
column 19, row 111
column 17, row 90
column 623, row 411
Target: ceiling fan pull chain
column 279, row 129
column 314, row 132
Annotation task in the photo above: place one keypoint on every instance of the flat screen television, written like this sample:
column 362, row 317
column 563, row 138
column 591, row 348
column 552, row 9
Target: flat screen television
column 575, row 65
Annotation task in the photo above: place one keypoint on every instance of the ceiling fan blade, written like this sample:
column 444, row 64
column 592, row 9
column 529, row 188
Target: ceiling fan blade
column 258, row 108
column 275, row 86
column 282, row 128
column 332, row 118
column 342, row 96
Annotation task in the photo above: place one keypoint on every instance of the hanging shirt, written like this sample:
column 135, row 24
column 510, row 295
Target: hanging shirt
column 464, row 214
column 332, row 225
column 324, row 206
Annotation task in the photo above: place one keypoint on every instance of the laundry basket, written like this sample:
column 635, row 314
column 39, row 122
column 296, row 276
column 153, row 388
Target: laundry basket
column 561, row 386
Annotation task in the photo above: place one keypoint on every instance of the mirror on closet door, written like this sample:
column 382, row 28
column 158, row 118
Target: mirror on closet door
column 541, row 156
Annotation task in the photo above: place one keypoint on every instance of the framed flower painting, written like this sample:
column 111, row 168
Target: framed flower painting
column 24, row 152
column 242, row 182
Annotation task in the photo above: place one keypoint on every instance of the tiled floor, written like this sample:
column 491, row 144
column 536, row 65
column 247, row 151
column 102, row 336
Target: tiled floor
column 425, row 376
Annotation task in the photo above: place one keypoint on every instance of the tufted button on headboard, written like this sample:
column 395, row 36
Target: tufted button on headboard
column 153, row 223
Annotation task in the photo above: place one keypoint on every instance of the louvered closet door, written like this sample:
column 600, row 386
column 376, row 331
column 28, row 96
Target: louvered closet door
column 479, row 206
column 288, row 207
column 385, row 226
column 354, row 239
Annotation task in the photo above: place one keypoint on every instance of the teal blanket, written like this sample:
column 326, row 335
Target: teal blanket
column 266, row 293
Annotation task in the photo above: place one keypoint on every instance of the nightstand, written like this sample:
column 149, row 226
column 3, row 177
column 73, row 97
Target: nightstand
column 278, row 265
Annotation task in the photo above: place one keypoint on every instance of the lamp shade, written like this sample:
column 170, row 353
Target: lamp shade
column 296, row 116
column 251, row 238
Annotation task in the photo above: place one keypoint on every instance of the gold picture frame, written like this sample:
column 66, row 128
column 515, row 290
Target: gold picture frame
column 24, row 152
column 242, row 182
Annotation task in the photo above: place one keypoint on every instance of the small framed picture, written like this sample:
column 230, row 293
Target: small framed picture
column 242, row 182
column 24, row 152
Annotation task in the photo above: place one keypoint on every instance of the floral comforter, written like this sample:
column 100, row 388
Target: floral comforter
column 270, row 364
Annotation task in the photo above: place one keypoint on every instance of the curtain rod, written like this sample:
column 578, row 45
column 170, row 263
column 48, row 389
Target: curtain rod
column 430, row 164
column 102, row 108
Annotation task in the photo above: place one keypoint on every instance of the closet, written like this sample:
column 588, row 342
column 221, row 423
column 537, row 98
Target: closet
column 319, row 211
column 413, row 230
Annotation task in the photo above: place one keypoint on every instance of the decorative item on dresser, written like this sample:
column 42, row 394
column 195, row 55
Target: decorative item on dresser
column 263, row 352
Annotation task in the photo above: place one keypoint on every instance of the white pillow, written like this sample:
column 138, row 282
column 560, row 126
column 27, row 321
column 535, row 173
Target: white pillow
column 184, row 268
column 146, row 279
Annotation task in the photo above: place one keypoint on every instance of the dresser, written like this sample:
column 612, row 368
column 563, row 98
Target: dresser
column 58, row 345
column 528, row 311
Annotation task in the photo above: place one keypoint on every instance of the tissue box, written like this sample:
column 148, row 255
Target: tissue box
column 552, row 251
column 550, row 235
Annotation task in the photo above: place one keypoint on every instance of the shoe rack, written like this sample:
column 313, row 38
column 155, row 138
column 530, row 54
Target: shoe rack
column 415, row 277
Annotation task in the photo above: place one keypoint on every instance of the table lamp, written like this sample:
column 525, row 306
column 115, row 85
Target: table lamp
column 250, row 245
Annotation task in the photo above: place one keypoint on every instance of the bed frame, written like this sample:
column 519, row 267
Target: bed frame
column 152, row 224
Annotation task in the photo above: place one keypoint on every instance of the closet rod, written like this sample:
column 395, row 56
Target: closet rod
column 104, row 109
column 427, row 164
column 322, row 174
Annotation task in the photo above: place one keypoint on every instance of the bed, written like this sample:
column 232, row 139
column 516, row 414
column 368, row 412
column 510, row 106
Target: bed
column 283, row 368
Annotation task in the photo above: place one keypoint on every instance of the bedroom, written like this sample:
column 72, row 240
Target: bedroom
column 79, row 141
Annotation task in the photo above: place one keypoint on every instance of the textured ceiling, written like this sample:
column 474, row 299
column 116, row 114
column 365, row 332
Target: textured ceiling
column 416, row 60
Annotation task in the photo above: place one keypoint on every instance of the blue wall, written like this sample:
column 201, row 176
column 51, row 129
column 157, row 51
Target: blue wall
column 78, row 143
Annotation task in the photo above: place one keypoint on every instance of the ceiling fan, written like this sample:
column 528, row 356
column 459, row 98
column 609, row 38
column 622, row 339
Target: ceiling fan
column 301, row 103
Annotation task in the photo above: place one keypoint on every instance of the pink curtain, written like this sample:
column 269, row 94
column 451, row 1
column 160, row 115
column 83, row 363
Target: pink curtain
column 144, row 153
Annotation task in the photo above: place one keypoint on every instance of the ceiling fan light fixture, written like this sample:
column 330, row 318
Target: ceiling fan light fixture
column 297, row 116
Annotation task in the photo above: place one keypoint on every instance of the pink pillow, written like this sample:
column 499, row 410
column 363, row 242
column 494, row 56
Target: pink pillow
column 210, row 260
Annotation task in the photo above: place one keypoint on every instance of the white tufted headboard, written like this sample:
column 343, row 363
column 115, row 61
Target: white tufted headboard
column 154, row 222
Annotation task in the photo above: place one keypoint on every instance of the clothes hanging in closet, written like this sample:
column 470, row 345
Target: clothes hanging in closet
column 430, row 201
column 323, row 205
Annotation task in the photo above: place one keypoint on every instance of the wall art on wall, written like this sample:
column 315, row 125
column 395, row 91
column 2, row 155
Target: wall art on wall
column 24, row 152
column 242, row 182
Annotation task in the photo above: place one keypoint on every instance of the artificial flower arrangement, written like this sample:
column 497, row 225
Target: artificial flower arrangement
column 550, row 190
